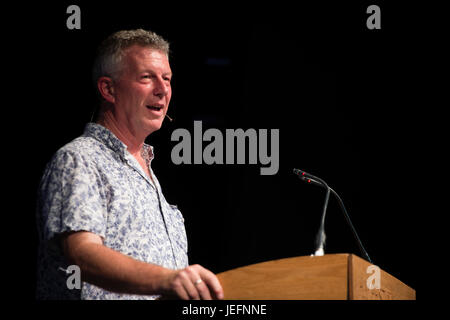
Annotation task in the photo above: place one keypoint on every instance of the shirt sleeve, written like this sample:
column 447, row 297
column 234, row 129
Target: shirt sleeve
column 71, row 196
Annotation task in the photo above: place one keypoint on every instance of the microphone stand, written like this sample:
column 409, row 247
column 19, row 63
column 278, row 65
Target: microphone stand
column 320, row 239
column 355, row 234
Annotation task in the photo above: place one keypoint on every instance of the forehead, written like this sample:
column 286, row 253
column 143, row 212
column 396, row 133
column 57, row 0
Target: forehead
column 137, row 57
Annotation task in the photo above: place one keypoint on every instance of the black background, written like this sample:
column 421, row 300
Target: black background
column 334, row 89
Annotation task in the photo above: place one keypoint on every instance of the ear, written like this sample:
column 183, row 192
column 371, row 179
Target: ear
column 105, row 86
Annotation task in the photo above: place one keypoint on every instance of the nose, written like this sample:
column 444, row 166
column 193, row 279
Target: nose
column 162, row 88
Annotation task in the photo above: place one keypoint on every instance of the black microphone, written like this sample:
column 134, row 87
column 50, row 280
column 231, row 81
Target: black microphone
column 311, row 179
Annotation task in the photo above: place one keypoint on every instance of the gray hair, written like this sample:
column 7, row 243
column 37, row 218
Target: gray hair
column 111, row 50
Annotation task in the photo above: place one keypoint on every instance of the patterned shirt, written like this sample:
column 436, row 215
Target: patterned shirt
column 94, row 184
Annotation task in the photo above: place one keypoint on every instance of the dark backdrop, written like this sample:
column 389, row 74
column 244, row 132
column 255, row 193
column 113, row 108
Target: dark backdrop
column 333, row 88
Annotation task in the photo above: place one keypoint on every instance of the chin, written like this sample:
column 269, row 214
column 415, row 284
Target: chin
column 154, row 125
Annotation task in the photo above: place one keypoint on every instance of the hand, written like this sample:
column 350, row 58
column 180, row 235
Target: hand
column 194, row 282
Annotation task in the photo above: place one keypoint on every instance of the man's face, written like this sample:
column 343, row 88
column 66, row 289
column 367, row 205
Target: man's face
column 143, row 91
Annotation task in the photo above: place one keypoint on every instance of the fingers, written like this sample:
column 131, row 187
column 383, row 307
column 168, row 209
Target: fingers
column 196, row 282
column 213, row 285
column 184, row 286
column 202, row 289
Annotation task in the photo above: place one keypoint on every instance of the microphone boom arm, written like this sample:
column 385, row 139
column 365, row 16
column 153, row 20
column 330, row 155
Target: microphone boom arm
column 347, row 217
column 309, row 178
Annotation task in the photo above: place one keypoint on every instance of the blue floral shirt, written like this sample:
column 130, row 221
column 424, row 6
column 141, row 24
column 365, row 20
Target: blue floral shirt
column 94, row 184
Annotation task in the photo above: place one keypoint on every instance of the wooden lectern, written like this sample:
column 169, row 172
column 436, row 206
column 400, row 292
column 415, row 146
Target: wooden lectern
column 329, row 277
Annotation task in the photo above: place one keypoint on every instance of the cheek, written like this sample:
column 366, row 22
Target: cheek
column 140, row 90
column 128, row 100
column 169, row 96
column 136, row 95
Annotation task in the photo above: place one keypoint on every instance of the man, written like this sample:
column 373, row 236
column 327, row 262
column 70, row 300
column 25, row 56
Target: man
column 100, row 205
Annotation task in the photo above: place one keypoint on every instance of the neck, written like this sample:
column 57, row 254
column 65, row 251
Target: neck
column 131, row 139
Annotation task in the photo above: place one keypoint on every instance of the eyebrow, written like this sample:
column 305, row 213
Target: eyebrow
column 151, row 71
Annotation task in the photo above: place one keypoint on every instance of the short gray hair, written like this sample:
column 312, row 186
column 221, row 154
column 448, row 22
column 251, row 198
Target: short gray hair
column 111, row 50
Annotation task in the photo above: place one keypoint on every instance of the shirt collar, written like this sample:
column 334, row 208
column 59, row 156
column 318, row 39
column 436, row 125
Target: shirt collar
column 105, row 136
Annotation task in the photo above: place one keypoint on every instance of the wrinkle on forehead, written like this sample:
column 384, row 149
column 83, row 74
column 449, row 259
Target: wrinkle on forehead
column 136, row 56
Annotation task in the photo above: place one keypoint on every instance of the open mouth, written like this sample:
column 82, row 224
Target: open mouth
column 155, row 108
